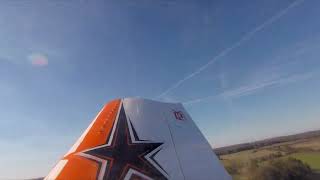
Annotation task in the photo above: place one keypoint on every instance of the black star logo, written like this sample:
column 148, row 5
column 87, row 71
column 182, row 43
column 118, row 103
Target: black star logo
column 125, row 156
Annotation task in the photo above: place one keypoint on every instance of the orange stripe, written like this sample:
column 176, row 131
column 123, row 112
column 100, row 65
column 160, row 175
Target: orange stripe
column 80, row 168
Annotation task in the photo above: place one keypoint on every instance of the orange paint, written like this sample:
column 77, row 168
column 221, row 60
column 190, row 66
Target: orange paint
column 79, row 167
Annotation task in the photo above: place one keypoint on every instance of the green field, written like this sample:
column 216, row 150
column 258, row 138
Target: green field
column 311, row 158
column 242, row 165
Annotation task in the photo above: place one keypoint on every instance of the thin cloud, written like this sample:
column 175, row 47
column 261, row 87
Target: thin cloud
column 226, row 51
column 252, row 88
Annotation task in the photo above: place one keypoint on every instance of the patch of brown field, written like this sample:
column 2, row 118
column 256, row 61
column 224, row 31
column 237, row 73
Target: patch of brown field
column 313, row 143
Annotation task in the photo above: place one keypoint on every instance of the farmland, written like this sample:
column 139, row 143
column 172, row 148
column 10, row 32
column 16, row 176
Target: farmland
column 243, row 164
column 312, row 159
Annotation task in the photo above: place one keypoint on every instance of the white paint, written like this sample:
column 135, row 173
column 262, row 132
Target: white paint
column 185, row 153
column 79, row 141
column 103, row 162
column 132, row 171
column 56, row 170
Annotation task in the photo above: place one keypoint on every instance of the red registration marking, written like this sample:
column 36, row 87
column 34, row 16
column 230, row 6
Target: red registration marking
column 179, row 115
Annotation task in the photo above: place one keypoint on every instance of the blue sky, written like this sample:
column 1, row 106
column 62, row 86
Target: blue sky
column 244, row 70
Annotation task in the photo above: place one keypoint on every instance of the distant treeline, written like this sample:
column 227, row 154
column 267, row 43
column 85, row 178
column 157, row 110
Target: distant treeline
column 266, row 142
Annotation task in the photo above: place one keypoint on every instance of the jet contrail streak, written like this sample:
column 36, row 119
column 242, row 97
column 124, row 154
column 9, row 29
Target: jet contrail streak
column 252, row 88
column 226, row 51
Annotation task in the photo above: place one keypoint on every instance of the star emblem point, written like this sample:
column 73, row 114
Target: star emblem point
column 124, row 155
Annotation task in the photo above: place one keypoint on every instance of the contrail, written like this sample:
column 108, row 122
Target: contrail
column 226, row 51
column 252, row 88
